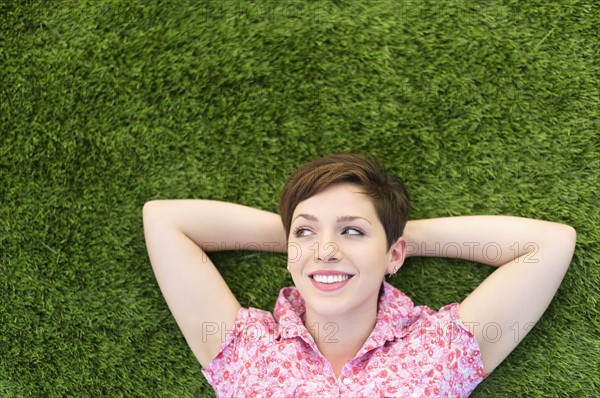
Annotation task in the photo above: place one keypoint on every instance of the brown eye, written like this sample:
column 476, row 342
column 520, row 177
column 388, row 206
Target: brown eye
column 352, row 232
column 299, row 232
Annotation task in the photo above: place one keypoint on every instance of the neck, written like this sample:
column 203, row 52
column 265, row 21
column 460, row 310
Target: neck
column 339, row 339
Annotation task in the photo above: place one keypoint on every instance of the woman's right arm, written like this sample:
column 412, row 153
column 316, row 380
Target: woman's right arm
column 178, row 234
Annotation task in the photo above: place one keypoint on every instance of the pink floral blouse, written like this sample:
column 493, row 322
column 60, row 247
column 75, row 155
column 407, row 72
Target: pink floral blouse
column 411, row 352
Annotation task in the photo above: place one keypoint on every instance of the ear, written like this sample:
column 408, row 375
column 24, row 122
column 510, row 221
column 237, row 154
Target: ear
column 397, row 255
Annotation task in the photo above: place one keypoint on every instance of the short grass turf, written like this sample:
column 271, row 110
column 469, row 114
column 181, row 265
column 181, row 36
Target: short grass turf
column 487, row 108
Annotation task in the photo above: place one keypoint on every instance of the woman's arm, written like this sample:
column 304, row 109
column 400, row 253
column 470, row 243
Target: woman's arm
column 178, row 233
column 532, row 257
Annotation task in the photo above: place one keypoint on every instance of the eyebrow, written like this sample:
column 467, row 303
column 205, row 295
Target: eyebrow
column 340, row 219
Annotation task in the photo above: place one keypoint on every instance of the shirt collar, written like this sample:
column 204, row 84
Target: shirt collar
column 289, row 315
column 393, row 315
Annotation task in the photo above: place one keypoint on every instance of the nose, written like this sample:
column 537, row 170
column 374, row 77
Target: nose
column 328, row 250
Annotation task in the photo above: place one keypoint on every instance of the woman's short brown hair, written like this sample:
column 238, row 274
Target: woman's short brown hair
column 387, row 192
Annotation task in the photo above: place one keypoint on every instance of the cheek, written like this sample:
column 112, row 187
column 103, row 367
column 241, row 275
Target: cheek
column 294, row 253
column 298, row 254
column 369, row 258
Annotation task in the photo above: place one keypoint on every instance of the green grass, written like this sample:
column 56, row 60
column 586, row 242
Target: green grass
column 104, row 105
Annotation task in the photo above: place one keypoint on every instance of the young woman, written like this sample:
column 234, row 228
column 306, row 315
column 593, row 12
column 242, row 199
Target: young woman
column 343, row 330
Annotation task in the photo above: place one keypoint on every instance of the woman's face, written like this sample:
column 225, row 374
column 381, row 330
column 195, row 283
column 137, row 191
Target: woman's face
column 337, row 252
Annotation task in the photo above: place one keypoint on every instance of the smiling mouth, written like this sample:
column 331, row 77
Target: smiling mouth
column 328, row 279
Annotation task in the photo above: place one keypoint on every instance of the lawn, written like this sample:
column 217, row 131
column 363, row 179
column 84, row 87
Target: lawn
column 482, row 108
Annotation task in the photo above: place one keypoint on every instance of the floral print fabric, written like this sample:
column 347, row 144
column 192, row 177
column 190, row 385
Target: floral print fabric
column 413, row 351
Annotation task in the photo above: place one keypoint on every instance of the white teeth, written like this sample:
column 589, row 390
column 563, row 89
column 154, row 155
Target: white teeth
column 330, row 278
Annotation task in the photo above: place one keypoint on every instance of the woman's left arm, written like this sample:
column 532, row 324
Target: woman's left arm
column 532, row 257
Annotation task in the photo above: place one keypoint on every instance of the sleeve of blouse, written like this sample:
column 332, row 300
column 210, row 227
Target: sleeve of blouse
column 448, row 351
column 251, row 325
column 229, row 350
column 462, row 355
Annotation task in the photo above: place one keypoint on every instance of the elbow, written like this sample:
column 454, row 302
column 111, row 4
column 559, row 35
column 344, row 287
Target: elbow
column 567, row 235
column 558, row 235
column 151, row 210
column 570, row 235
column 148, row 208
column 572, row 232
column 564, row 243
